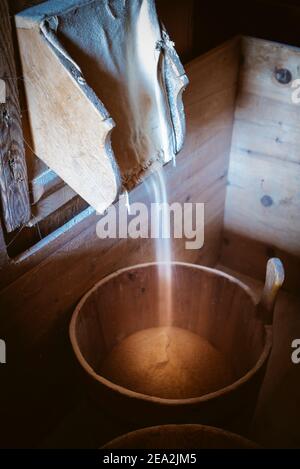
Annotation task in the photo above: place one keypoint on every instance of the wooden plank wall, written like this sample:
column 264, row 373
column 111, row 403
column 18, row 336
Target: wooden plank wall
column 40, row 384
column 13, row 174
column 263, row 194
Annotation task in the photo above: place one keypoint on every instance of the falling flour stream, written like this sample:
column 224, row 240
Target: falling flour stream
column 151, row 140
column 163, row 248
column 163, row 361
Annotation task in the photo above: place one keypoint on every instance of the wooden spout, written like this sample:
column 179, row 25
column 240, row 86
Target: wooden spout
column 273, row 282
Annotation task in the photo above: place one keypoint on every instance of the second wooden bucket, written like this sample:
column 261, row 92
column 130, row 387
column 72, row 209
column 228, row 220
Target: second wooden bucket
column 180, row 437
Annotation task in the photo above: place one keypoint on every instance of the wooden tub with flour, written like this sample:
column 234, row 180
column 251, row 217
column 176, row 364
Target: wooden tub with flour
column 204, row 362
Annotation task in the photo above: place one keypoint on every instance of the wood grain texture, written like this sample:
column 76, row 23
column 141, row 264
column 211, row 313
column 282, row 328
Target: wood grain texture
column 62, row 116
column 13, row 179
column 263, row 198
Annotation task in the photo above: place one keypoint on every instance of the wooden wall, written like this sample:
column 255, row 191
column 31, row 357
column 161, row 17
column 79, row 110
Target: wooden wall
column 196, row 27
column 263, row 194
column 40, row 290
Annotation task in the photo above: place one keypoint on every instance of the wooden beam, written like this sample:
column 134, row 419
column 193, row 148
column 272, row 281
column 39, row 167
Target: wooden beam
column 13, row 175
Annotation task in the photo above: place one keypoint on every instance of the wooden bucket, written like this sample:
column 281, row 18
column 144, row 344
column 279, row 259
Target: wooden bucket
column 180, row 437
column 206, row 301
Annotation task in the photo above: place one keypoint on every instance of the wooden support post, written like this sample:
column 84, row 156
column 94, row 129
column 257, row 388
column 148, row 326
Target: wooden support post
column 13, row 172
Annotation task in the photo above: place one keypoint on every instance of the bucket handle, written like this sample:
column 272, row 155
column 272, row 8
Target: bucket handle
column 273, row 282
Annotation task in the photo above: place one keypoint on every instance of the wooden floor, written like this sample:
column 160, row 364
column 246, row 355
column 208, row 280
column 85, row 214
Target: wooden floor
column 276, row 423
